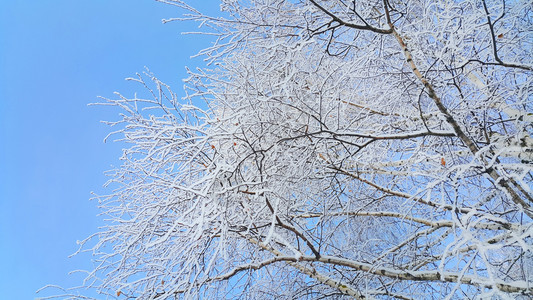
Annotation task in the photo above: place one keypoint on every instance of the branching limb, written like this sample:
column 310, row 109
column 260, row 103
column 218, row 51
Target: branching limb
column 500, row 181
column 350, row 25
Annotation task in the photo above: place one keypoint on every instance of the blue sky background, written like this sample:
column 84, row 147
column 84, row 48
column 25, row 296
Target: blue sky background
column 56, row 56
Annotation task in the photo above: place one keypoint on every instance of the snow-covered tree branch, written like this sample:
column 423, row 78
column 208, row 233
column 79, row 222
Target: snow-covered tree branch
column 367, row 149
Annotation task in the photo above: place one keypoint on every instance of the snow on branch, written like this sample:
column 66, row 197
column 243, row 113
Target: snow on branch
column 367, row 149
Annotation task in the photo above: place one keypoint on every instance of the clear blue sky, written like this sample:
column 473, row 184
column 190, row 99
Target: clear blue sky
column 56, row 56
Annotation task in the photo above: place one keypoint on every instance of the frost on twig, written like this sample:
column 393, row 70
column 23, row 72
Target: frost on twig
column 367, row 149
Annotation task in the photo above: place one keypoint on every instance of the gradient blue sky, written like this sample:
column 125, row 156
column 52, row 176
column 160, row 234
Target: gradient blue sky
column 56, row 56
